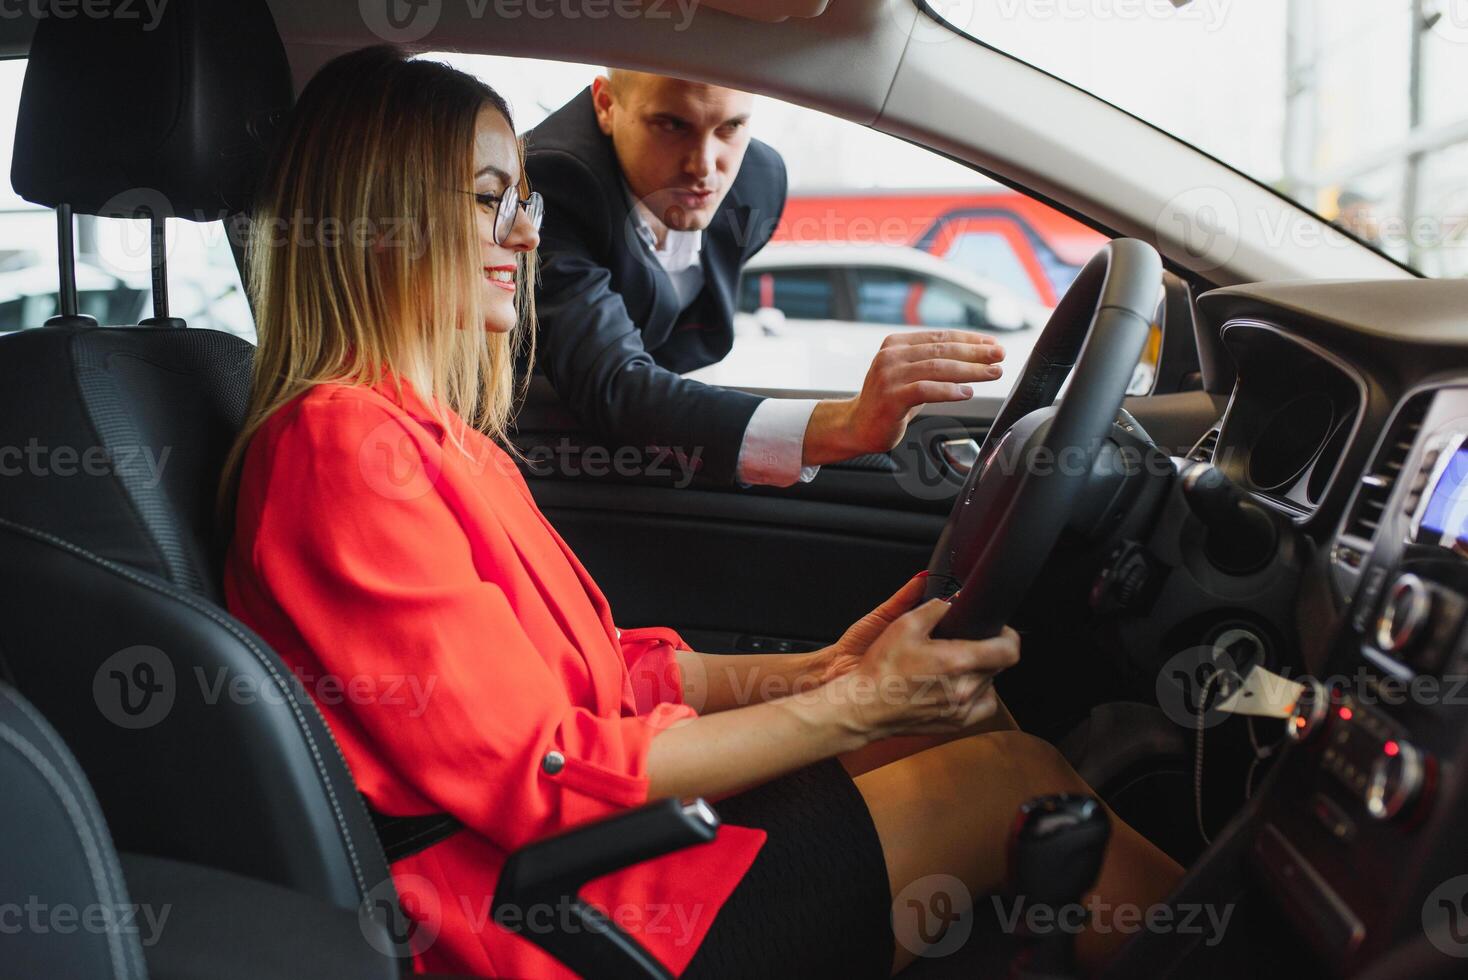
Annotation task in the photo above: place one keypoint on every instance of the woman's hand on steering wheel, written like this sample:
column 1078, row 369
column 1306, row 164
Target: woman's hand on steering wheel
column 909, row 683
column 843, row 655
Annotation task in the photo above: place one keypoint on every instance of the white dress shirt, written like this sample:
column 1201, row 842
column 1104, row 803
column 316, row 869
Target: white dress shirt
column 774, row 441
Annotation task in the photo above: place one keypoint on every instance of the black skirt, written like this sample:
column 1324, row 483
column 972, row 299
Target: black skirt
column 816, row 902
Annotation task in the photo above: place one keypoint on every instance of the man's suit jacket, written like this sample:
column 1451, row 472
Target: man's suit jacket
column 613, row 338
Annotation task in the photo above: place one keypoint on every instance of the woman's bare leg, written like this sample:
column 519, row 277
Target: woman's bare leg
column 948, row 810
column 878, row 754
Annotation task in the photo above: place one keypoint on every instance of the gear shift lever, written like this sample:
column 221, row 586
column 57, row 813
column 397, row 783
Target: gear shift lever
column 1055, row 852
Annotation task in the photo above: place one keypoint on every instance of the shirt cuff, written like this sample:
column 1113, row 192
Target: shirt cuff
column 774, row 443
column 651, row 654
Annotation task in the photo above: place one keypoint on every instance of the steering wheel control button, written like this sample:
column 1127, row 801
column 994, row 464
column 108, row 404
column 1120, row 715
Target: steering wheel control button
column 1309, row 713
column 553, row 762
column 1405, row 615
column 1126, row 583
column 1397, row 778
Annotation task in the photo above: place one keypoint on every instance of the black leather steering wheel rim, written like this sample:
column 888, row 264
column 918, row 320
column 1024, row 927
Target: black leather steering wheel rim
column 1011, row 510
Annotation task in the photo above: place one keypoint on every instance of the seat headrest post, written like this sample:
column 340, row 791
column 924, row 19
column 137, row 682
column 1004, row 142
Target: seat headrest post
column 67, row 315
column 158, row 242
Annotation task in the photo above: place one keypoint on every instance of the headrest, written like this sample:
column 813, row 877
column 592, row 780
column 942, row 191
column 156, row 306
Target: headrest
column 152, row 107
column 113, row 439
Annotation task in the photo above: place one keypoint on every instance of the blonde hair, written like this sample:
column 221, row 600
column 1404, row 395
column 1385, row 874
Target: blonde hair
column 363, row 258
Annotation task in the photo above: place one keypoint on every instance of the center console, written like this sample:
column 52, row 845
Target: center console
column 1356, row 844
column 1364, row 820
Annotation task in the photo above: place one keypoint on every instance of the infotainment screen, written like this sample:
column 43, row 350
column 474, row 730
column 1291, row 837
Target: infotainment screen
column 1445, row 518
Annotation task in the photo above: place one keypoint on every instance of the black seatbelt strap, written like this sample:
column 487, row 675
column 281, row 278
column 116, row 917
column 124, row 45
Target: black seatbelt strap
column 405, row 836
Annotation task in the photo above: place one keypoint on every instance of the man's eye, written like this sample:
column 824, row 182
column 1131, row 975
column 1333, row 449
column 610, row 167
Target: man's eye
column 729, row 129
column 670, row 126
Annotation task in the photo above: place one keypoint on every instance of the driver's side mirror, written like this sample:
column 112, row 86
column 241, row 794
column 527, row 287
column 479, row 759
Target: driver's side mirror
column 770, row 320
column 1003, row 313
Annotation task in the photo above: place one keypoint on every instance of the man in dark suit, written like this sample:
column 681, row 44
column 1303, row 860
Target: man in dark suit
column 656, row 196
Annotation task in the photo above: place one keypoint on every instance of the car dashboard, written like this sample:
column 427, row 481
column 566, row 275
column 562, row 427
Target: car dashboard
column 1349, row 417
column 1295, row 409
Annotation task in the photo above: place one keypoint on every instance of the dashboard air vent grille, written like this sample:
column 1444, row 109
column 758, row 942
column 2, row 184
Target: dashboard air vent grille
column 1391, row 456
column 1203, row 451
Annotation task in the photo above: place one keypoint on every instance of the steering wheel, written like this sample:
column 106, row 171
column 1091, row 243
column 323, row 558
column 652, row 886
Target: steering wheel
column 1036, row 461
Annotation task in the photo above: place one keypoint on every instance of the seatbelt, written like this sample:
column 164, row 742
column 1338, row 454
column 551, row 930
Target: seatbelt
column 405, row 836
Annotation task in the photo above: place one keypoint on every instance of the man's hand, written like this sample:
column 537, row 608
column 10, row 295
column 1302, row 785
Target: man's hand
column 910, row 371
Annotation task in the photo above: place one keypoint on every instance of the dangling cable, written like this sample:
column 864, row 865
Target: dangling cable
column 1198, row 751
column 1261, row 753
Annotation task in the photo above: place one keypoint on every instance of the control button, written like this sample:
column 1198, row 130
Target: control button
column 1308, row 712
column 553, row 762
column 1366, row 597
column 1438, row 640
column 1429, row 463
column 1405, row 615
column 1397, row 777
column 1419, row 483
column 1333, row 818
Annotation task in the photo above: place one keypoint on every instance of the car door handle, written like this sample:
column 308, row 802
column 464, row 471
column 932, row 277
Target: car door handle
column 961, row 454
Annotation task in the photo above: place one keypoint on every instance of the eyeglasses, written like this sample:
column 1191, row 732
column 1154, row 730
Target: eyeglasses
column 504, row 207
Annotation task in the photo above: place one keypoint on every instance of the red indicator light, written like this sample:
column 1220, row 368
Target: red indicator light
column 1299, row 721
column 1345, row 714
column 1391, row 748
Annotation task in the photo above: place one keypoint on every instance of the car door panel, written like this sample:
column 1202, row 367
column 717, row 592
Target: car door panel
column 797, row 563
column 721, row 566
column 746, row 567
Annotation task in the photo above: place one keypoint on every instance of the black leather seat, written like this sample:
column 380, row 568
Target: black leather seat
column 70, row 864
column 200, row 744
column 83, row 910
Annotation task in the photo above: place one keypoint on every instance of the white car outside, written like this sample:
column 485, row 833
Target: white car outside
column 775, row 346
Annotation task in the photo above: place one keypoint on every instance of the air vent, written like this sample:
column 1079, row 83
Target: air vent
column 1391, row 456
column 1203, row 451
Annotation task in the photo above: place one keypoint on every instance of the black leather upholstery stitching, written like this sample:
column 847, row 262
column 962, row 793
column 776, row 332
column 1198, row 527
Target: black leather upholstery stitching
column 132, row 505
column 74, row 772
column 91, row 846
column 198, row 605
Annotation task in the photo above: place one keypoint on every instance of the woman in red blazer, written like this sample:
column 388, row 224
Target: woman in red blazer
column 389, row 550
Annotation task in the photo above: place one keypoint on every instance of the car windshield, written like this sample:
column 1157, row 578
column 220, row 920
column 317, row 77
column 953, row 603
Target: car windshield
column 1352, row 108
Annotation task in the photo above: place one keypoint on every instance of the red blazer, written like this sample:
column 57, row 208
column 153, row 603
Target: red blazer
column 455, row 644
